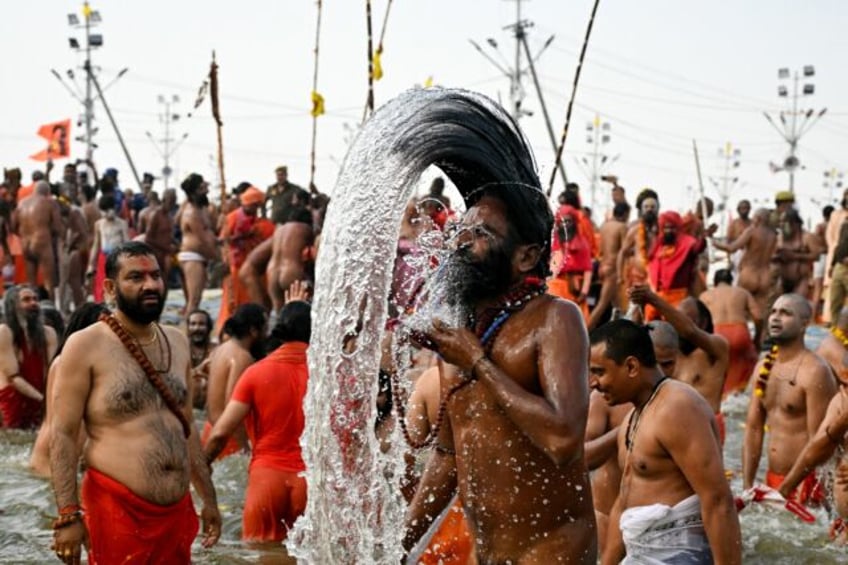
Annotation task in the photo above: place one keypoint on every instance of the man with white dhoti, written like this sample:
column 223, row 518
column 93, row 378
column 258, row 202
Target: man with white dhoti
column 674, row 505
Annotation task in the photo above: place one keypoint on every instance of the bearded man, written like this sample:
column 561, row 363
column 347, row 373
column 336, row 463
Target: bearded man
column 515, row 390
column 26, row 345
column 126, row 378
column 632, row 261
column 199, row 331
column 198, row 246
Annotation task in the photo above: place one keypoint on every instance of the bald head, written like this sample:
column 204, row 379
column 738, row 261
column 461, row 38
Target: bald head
column 801, row 306
column 663, row 335
column 42, row 188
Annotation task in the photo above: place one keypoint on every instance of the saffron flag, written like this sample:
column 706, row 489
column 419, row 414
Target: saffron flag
column 377, row 72
column 317, row 104
column 58, row 137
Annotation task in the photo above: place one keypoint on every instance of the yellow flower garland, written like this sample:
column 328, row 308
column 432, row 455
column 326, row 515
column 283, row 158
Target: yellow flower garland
column 765, row 372
column 840, row 335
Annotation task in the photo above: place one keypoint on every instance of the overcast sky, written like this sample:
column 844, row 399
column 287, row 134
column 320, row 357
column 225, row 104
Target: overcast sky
column 660, row 72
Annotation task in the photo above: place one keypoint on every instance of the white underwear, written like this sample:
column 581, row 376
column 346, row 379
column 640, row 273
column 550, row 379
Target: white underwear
column 185, row 256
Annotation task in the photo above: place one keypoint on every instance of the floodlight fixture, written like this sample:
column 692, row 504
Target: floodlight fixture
column 73, row 20
column 95, row 40
column 94, row 17
column 809, row 89
column 809, row 71
column 782, row 91
column 72, row 41
column 783, row 73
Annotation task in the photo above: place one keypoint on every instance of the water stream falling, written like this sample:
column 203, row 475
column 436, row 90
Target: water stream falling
column 355, row 511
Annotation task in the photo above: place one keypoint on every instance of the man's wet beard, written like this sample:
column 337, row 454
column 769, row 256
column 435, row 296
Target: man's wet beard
column 466, row 280
column 200, row 200
column 139, row 312
column 35, row 329
column 199, row 339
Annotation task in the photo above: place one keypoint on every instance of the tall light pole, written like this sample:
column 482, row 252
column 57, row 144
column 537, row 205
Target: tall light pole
column 91, row 19
column 726, row 182
column 794, row 122
column 598, row 136
column 833, row 182
column 168, row 148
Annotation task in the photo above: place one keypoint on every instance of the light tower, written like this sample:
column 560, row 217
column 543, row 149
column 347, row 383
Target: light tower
column 597, row 136
column 91, row 19
column 168, row 147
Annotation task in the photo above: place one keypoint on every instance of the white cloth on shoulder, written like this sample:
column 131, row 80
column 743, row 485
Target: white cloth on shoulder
column 659, row 534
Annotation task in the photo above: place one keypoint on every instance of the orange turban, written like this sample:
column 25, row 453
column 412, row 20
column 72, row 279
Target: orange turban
column 252, row 195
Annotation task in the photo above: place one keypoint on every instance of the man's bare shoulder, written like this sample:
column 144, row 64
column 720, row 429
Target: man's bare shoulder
column 557, row 313
column 680, row 402
column 87, row 340
column 816, row 370
column 175, row 337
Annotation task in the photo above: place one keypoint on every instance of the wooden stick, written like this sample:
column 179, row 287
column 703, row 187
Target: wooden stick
column 315, row 89
column 216, row 113
column 369, row 103
column 561, row 146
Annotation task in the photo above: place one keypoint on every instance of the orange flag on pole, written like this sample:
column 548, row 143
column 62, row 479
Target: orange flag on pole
column 58, row 136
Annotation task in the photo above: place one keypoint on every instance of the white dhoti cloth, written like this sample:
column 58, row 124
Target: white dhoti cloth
column 184, row 256
column 659, row 534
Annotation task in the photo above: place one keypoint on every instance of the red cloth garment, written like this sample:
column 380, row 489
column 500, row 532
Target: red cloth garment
column 19, row 411
column 99, row 277
column 673, row 296
column 230, row 448
column 670, row 266
column 273, row 501
column 125, row 528
column 567, row 286
column 274, row 389
column 743, row 355
column 722, row 427
column 809, row 492
column 452, row 543
column 575, row 255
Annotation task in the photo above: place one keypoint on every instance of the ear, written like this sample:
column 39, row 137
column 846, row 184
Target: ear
column 632, row 365
column 109, row 287
column 526, row 257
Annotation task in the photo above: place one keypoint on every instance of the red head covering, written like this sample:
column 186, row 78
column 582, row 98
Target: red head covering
column 566, row 210
column 251, row 195
column 670, row 217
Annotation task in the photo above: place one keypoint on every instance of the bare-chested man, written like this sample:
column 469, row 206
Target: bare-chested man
column 74, row 256
column 39, row 224
column 246, row 344
column 669, row 452
column 666, row 346
column 143, row 217
column 704, row 356
column 291, row 238
column 759, row 241
column 199, row 331
column 26, row 346
column 740, row 223
column 110, row 231
column 796, row 252
column 159, row 230
column 731, row 308
column 612, row 232
column 833, row 348
column 796, row 392
column 199, row 245
column 523, row 398
column 142, row 451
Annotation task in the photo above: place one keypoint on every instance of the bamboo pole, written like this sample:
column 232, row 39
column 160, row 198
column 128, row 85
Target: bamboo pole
column 314, row 114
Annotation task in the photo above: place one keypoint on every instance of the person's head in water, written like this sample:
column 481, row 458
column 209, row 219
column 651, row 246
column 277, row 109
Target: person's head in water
column 698, row 312
column 743, row 209
column 196, row 190
column 84, row 316
column 620, row 356
column 24, row 317
column 722, row 276
column 788, row 319
column 199, row 328
column 502, row 238
column 248, row 324
column 666, row 345
column 648, row 206
column 134, row 282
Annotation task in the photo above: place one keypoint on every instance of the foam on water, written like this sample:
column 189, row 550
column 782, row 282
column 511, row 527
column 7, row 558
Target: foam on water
column 355, row 511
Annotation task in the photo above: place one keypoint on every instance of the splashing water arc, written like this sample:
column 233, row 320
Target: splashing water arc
column 354, row 513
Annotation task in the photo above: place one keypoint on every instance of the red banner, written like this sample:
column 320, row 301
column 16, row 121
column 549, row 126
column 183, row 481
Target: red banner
column 58, row 137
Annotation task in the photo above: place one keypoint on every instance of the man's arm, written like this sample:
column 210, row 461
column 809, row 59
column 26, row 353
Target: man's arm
column 201, row 476
column 229, row 422
column 821, row 447
column 626, row 248
column 596, row 439
column 23, row 387
column 820, row 387
column 691, row 439
column 237, row 368
column 614, row 550
column 737, row 244
column 752, row 447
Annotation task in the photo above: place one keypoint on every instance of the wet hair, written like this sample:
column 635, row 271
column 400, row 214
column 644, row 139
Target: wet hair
column 572, row 187
column 11, row 300
column 90, row 192
column 624, row 339
column 191, row 184
column 621, row 210
column 827, row 211
column 529, row 217
column 53, row 318
column 84, row 316
column 571, row 198
column 205, row 314
column 663, row 334
column 106, row 202
column 793, row 217
column 126, row 249
column 384, row 384
column 644, row 195
column 294, row 323
column 296, row 214
column 246, row 317
column 723, row 276
column 705, row 317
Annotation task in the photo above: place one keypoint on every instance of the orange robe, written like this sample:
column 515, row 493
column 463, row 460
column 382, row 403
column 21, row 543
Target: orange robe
column 743, row 355
column 125, row 528
column 809, row 492
column 452, row 543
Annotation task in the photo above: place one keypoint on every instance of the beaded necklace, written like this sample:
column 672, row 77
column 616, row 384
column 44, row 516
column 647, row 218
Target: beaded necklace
column 487, row 328
column 840, row 336
column 636, row 416
column 153, row 375
column 765, row 372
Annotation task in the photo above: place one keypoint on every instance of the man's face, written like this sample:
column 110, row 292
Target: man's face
column 140, row 290
column 666, row 359
column 669, row 234
column 650, row 208
column 617, row 195
column 69, row 174
column 744, row 209
column 608, row 377
column 785, row 323
column 198, row 330
column 250, row 209
column 28, row 303
column 282, row 176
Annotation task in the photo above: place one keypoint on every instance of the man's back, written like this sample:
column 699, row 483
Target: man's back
column 727, row 304
column 612, row 234
column 37, row 218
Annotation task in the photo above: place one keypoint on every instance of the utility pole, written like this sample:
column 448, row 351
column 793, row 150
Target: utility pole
column 168, row 148
column 799, row 122
column 833, row 182
column 726, row 182
column 594, row 167
column 516, row 73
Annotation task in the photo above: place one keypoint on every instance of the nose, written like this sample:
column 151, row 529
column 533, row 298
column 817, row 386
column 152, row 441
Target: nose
column 462, row 239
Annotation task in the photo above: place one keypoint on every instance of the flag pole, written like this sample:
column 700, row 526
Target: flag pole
column 315, row 113
column 216, row 113
column 369, row 103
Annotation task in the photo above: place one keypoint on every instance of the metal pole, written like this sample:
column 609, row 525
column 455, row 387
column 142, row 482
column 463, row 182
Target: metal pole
column 167, row 142
column 558, row 164
column 114, row 125
column 516, row 81
column 597, row 141
column 793, row 136
column 89, row 102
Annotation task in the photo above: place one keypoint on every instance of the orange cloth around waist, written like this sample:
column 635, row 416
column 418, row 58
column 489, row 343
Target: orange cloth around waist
column 125, row 528
column 273, row 501
column 229, row 449
column 673, row 296
column 562, row 286
column 743, row 355
column 452, row 543
column 809, row 492
column 722, row 427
